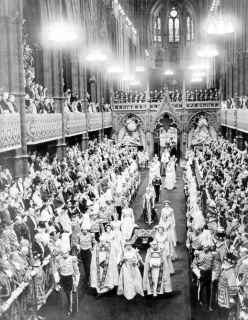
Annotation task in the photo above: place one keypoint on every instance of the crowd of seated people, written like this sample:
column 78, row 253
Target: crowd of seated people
column 235, row 103
column 7, row 104
column 223, row 169
column 157, row 96
column 49, row 205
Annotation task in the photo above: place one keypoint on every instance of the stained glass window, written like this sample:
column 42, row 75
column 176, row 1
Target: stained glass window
column 157, row 31
column 174, row 26
column 190, row 29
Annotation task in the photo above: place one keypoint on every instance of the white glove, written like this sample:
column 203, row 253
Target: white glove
column 197, row 273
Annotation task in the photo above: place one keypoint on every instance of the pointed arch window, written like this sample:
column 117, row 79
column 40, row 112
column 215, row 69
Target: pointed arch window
column 190, row 29
column 174, row 26
column 157, row 31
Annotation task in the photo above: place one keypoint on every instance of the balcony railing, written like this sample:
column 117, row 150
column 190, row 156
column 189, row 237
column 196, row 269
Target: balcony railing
column 202, row 104
column 155, row 105
column 223, row 117
column 43, row 127
column 94, row 121
column 75, row 124
column 108, row 122
column 236, row 118
column 10, row 132
column 242, row 120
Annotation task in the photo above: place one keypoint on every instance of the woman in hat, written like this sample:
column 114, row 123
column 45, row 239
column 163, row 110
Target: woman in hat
column 169, row 182
column 130, row 280
column 116, row 227
column 168, row 211
column 166, row 223
column 162, row 238
column 127, row 221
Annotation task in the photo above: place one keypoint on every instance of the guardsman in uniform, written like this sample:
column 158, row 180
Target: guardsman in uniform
column 69, row 274
column 227, row 289
column 85, row 242
column 202, row 266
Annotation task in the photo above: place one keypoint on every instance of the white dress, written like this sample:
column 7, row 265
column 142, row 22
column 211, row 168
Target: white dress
column 164, row 245
column 130, row 280
column 127, row 222
column 169, row 212
column 169, row 182
column 116, row 225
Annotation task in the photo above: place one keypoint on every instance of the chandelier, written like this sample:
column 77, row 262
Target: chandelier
column 196, row 79
column 139, row 69
column 198, row 74
column 134, row 83
column 208, row 51
column 61, row 32
column 115, row 69
column 128, row 77
column 96, row 55
column 200, row 65
column 218, row 26
column 168, row 72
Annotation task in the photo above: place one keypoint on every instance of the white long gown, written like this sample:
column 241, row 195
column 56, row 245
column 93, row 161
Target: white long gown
column 130, row 280
column 127, row 222
column 164, row 245
column 169, row 182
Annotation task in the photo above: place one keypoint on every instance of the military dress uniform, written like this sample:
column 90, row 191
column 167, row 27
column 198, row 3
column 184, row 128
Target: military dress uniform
column 68, row 268
column 157, row 183
column 202, row 266
column 86, row 242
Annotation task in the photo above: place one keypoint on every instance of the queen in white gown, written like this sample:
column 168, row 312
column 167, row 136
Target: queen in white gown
column 162, row 239
column 130, row 280
column 169, row 212
column 127, row 221
column 116, row 225
column 166, row 223
column 170, row 181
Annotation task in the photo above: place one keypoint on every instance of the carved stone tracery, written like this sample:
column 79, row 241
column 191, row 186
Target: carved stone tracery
column 210, row 117
column 140, row 120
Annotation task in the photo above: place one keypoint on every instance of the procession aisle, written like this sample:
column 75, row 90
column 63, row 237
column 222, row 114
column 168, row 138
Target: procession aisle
column 173, row 307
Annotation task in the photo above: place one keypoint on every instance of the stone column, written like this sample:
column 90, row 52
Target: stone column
column 21, row 154
column 230, row 81
column 235, row 76
column 93, row 93
column 99, row 137
column 10, row 43
column 57, row 72
column 242, row 75
column 246, row 72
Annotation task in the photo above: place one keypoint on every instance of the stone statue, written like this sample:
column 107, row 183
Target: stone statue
column 201, row 134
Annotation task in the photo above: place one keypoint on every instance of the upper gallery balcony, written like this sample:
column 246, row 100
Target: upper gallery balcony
column 235, row 119
column 48, row 127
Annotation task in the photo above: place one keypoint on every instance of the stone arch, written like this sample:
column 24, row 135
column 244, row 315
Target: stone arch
column 195, row 117
column 172, row 117
column 137, row 119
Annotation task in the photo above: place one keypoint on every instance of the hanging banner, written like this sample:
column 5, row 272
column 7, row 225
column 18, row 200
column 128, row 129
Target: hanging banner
column 168, row 137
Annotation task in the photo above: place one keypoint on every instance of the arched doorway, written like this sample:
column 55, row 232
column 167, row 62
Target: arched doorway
column 166, row 133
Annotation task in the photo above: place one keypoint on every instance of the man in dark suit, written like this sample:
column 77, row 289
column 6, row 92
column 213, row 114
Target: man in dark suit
column 31, row 223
